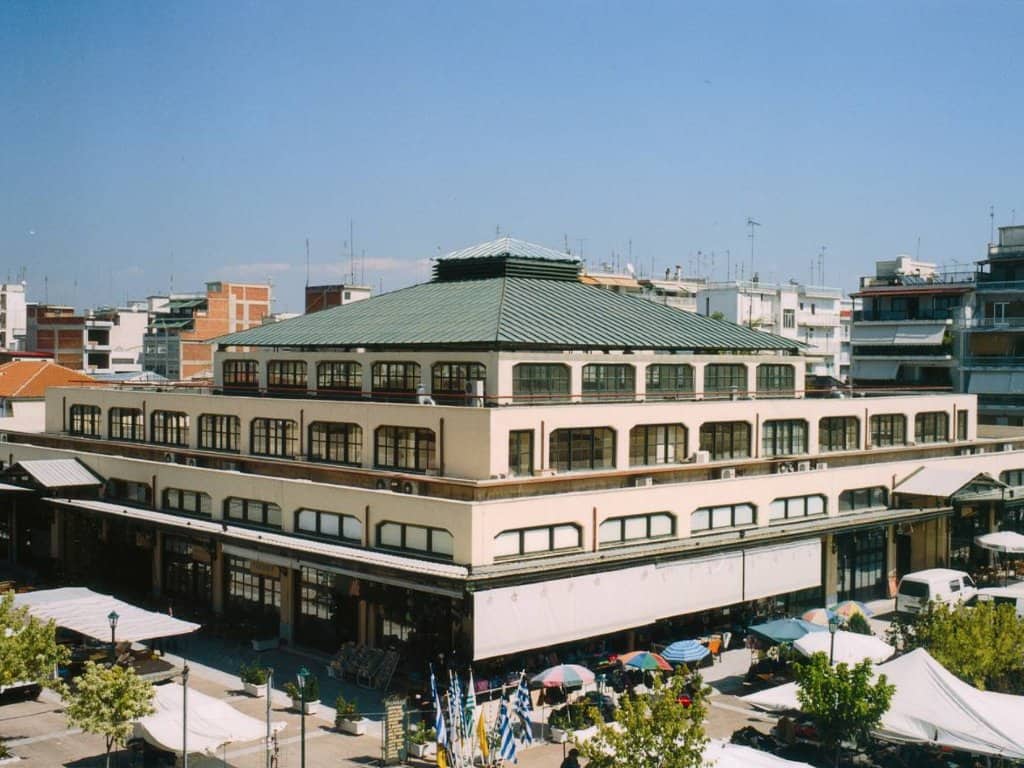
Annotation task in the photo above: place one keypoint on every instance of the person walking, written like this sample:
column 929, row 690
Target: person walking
column 572, row 760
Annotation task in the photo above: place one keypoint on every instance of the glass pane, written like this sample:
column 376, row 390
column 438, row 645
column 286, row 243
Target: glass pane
column 721, row 517
column 815, row 505
column 744, row 514
column 274, row 515
column 416, row 537
column 700, row 520
column 609, row 531
column 442, row 543
column 566, row 536
column 778, row 510
column 661, row 525
column 307, row 520
column 636, row 528
column 352, row 528
column 506, row 544
column 329, row 524
column 390, row 535
column 537, row 540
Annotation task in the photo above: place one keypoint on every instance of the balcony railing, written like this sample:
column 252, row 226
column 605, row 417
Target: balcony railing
column 870, row 315
column 991, row 323
column 999, row 285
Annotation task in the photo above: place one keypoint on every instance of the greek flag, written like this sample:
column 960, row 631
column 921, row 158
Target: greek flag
column 469, row 710
column 507, row 744
column 439, row 725
column 523, row 707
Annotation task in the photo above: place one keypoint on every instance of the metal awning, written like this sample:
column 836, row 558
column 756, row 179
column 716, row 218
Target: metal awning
column 4, row 487
column 257, row 538
column 60, row 473
column 882, row 370
column 943, row 482
column 996, row 383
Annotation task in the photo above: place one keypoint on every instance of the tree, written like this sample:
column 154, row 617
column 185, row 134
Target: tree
column 656, row 731
column 28, row 647
column 858, row 624
column 980, row 644
column 106, row 700
column 842, row 700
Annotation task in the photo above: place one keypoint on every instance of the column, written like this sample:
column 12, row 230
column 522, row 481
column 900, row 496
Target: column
column 288, row 577
column 158, row 564
column 217, row 579
column 831, row 569
column 57, row 536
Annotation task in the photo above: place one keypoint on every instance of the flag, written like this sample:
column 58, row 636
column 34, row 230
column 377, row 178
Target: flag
column 481, row 735
column 507, row 744
column 439, row 724
column 523, row 707
column 469, row 710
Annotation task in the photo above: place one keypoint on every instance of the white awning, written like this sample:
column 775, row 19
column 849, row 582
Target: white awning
column 781, row 569
column 996, row 383
column 899, row 333
column 875, row 370
column 722, row 754
column 5, row 487
column 1001, row 541
column 942, row 482
column 60, row 473
column 850, row 647
column 280, row 540
column 211, row 722
column 84, row 611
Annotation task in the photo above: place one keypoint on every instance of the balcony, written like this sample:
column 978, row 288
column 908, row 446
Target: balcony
column 993, row 324
column 997, row 286
column 890, row 316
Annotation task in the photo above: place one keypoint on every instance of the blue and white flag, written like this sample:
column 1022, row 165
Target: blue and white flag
column 439, row 724
column 523, row 707
column 469, row 708
column 506, row 743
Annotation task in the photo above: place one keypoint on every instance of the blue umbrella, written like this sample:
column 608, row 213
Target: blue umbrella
column 685, row 652
column 786, row 630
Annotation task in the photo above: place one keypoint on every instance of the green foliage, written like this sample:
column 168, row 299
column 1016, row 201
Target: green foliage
column 254, row 674
column 718, row 316
column 980, row 644
column 345, row 709
column 28, row 647
column 4, row 751
column 579, row 714
column 858, row 624
column 312, row 689
column 842, row 700
column 423, row 733
column 656, row 730
column 105, row 700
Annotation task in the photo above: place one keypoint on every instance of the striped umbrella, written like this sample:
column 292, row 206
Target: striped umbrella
column 644, row 660
column 818, row 616
column 685, row 652
column 563, row 676
column 847, row 608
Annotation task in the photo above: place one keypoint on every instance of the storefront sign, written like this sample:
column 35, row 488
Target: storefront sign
column 201, row 554
column 266, row 570
column 394, row 730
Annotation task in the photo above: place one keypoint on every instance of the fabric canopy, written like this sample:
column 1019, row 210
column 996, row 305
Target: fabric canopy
column 211, row 722
column 786, row 630
column 933, row 706
column 722, row 754
column 1001, row 541
column 850, row 647
column 84, row 611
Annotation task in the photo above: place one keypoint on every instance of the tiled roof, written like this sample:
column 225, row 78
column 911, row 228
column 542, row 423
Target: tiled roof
column 509, row 313
column 31, row 378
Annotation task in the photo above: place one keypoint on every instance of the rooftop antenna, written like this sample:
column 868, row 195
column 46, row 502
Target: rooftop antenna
column 991, row 224
column 821, row 265
column 307, row 262
column 918, row 253
column 751, row 223
column 351, row 251
column 362, row 269
column 565, row 238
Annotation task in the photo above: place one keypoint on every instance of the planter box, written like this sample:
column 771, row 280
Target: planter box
column 259, row 691
column 266, row 644
column 421, row 750
column 354, row 727
column 310, row 707
column 558, row 736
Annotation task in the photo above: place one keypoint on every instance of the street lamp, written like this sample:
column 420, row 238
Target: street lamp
column 112, row 618
column 301, row 676
column 184, row 716
column 833, row 626
column 270, row 692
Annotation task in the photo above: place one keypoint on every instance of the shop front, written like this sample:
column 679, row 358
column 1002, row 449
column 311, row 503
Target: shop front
column 187, row 577
column 327, row 614
column 252, row 596
column 861, row 562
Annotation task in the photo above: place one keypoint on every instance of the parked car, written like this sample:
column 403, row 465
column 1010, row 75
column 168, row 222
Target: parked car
column 939, row 585
column 1000, row 596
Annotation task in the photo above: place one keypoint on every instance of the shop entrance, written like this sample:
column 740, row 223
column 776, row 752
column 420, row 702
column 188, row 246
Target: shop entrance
column 861, row 557
column 252, row 596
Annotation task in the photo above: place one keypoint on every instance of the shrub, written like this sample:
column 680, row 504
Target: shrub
column 345, row 710
column 857, row 623
column 579, row 714
column 311, row 693
column 253, row 674
column 423, row 733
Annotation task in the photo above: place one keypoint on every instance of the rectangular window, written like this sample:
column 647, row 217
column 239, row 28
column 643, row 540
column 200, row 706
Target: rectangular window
column 582, row 449
column 726, row 516
column 130, row 491
column 339, row 376
column 603, row 382
column 287, row 374
column 785, row 437
column 190, row 502
column 532, row 541
column 797, row 507
column 726, row 439
column 669, row 382
column 636, row 528
column 336, row 442
column 931, row 427
column 775, row 380
column 126, row 424
column 838, row 433
column 962, row 418
column 888, row 429
column 727, row 379
column 651, row 444
column 540, row 383
column 1013, row 477
column 253, row 511
column 520, row 453
column 404, row 448
column 169, row 428
column 274, row 437
column 436, row 542
column 85, row 420
column 329, row 525
column 241, row 374
column 219, row 432
column 789, row 318
column 863, row 498
column 402, row 378
column 449, row 381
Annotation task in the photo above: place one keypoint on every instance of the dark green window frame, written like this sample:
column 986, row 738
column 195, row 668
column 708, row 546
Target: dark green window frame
column 838, row 433
column 669, row 382
column 540, row 383
column 888, row 429
column 931, row 427
column 335, row 442
column 652, row 444
column 784, row 437
column 582, row 448
column 725, row 439
column 608, row 381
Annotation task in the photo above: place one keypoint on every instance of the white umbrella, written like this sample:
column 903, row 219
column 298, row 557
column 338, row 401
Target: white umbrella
column 850, row 648
column 1001, row 541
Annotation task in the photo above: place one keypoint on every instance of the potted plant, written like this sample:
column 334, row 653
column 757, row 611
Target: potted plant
column 572, row 717
column 309, row 699
column 347, row 718
column 422, row 738
column 254, row 679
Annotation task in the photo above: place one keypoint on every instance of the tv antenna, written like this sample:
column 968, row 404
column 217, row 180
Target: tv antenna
column 991, row 224
column 751, row 223
column 307, row 262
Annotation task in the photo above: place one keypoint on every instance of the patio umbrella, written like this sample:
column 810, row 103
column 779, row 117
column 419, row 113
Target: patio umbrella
column 848, row 608
column 563, row 676
column 819, row 616
column 645, row 660
column 1001, row 541
column 786, row 630
column 685, row 652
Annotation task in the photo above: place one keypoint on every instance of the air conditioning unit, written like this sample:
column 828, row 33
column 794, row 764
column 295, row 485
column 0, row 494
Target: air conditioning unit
column 475, row 393
column 1010, row 493
column 191, row 462
column 965, row 451
column 381, row 484
column 1007, row 446
column 643, row 482
column 727, row 473
column 904, row 529
column 701, row 457
column 821, row 465
column 169, row 458
column 803, row 466
column 783, row 469
column 3, row 437
column 410, row 487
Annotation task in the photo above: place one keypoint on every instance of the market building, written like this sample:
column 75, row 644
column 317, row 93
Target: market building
column 500, row 460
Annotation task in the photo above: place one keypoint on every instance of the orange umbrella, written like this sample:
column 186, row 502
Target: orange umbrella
column 644, row 660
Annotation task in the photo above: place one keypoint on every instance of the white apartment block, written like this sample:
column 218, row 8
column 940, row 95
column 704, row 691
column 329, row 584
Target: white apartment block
column 13, row 321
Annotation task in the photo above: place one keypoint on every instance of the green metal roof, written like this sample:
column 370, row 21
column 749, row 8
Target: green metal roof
column 509, row 313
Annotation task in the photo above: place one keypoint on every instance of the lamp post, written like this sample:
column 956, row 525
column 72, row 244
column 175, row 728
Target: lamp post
column 301, row 676
column 184, row 716
column 270, row 692
column 833, row 626
column 112, row 618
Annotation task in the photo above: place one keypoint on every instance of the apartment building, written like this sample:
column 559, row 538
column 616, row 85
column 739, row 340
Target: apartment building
column 23, row 385
column 810, row 314
column 320, row 297
column 107, row 340
column 500, row 460
column 182, row 326
column 13, row 317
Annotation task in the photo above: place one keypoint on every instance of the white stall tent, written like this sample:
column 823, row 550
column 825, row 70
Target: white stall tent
column 211, row 722
column 84, row 611
column 933, row 706
column 722, row 754
column 850, row 647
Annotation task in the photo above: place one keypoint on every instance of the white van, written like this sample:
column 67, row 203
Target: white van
column 941, row 585
column 1000, row 596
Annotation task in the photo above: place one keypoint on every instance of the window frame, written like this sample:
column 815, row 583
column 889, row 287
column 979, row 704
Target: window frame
column 931, row 427
column 580, row 436
column 888, row 430
column 273, row 437
column 733, row 525
column 327, row 377
column 240, row 373
column 515, row 435
column 130, row 417
column 443, row 373
column 169, row 428
column 254, row 512
column 395, row 377
column 552, row 530
column 424, row 447
column 288, row 374
column 853, row 499
column 718, row 434
column 800, row 508
column 85, row 420
column 623, row 521
column 323, row 436
column 656, row 372
column 531, row 388
column 639, row 455
column 772, row 441
column 319, row 533
column 430, row 531
column 603, row 382
column 723, row 378
column 829, row 429
column 216, row 430
column 775, row 379
column 202, row 502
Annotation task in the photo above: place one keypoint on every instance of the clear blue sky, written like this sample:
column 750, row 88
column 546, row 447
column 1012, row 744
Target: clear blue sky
column 208, row 140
